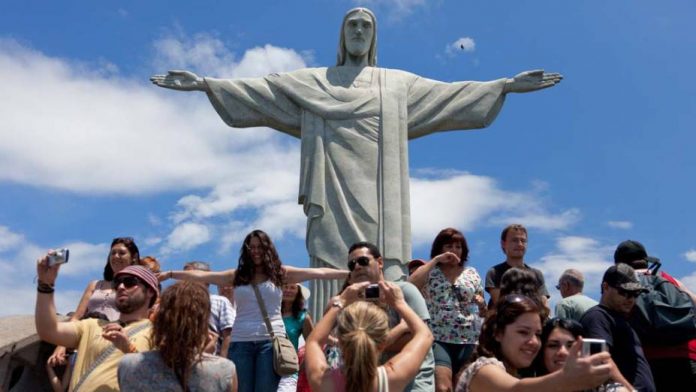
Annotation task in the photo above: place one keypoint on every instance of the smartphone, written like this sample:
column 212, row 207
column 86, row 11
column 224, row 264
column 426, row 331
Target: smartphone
column 372, row 292
column 59, row 256
column 593, row 346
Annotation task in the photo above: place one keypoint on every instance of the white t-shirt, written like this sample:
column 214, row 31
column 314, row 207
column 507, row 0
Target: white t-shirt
column 249, row 325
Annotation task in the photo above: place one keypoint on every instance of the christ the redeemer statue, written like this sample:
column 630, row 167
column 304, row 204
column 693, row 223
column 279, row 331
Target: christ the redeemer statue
column 354, row 121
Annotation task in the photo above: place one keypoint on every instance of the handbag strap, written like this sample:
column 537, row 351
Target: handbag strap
column 105, row 354
column 262, row 305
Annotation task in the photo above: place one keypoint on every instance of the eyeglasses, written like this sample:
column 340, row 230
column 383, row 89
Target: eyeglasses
column 627, row 293
column 362, row 260
column 128, row 282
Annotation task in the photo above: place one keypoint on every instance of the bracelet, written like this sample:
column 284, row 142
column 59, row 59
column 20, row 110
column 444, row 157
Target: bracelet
column 45, row 288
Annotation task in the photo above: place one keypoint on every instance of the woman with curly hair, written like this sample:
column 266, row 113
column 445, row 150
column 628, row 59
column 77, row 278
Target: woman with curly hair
column 362, row 330
column 259, row 266
column 178, row 361
column 510, row 341
column 453, row 292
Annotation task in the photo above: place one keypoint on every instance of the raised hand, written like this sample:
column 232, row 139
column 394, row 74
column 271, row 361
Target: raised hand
column 527, row 81
column 446, row 258
column 180, row 80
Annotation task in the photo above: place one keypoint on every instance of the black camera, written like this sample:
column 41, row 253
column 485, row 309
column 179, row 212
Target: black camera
column 372, row 291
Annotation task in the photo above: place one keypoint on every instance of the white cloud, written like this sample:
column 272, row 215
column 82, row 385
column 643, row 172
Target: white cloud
column 463, row 44
column 18, row 269
column 620, row 224
column 9, row 239
column 112, row 123
column 689, row 281
column 481, row 201
column 690, row 255
column 186, row 236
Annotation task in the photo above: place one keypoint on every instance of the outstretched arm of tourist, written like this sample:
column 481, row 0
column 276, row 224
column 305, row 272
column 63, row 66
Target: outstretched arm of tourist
column 47, row 325
column 578, row 373
column 403, row 367
column 297, row 275
column 316, row 366
column 221, row 278
column 528, row 81
column 180, row 80
column 420, row 276
column 58, row 357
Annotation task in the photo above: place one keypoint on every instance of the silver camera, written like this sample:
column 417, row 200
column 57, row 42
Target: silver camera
column 60, row 256
column 593, row 346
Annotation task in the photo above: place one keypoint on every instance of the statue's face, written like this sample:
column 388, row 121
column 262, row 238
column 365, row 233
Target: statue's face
column 358, row 31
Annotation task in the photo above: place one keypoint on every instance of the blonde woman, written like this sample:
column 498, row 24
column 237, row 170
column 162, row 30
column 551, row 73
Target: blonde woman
column 362, row 330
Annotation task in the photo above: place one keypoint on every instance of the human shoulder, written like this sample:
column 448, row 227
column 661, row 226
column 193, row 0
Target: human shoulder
column 473, row 369
column 414, row 299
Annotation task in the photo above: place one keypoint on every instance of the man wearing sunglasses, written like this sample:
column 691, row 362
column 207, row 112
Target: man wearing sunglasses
column 366, row 265
column 100, row 345
column 673, row 363
column 609, row 321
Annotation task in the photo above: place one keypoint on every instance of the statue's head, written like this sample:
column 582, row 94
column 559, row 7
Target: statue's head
column 358, row 36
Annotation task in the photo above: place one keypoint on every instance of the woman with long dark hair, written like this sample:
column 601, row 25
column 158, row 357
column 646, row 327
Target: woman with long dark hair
column 454, row 294
column 178, row 360
column 99, row 298
column 557, row 339
column 260, row 267
column 510, row 341
column 297, row 323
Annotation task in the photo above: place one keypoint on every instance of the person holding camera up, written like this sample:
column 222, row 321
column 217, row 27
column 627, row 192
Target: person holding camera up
column 363, row 328
column 366, row 266
column 100, row 344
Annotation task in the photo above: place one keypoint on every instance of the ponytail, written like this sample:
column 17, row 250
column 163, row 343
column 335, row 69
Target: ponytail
column 362, row 327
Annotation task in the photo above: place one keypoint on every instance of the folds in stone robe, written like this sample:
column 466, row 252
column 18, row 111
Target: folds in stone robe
column 354, row 125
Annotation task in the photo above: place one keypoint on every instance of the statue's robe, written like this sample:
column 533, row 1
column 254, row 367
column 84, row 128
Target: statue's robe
column 354, row 131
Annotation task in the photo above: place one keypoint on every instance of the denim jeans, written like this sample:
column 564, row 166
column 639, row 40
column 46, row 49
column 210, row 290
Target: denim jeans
column 254, row 363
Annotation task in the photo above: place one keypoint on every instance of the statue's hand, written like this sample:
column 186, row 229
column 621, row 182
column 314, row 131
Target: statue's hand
column 527, row 81
column 180, row 80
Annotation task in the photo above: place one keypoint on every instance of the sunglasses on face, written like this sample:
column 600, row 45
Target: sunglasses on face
column 128, row 282
column 362, row 260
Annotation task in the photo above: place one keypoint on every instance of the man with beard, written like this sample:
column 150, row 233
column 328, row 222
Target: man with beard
column 100, row 345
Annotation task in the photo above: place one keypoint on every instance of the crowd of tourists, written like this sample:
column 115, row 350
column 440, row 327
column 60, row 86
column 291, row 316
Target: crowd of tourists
column 433, row 332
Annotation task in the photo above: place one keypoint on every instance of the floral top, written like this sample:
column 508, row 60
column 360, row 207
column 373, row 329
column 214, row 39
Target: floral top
column 469, row 373
column 454, row 314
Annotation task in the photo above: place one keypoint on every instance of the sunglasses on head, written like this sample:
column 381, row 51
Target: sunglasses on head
column 627, row 293
column 362, row 260
column 128, row 282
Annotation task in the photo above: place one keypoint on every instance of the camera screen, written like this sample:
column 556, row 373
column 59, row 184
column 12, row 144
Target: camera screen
column 596, row 347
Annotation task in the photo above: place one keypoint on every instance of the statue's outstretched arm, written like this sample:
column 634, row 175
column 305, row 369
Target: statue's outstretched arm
column 527, row 81
column 180, row 80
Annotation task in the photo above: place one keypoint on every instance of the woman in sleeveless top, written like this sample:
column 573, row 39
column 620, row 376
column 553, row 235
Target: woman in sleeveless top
column 182, row 318
column 259, row 265
column 297, row 322
column 510, row 341
column 99, row 299
column 362, row 330
column 454, row 294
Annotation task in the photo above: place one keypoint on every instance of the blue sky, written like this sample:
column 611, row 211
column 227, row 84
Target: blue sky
column 90, row 150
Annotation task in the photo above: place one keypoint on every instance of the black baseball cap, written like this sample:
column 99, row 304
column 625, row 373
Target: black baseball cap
column 629, row 251
column 622, row 276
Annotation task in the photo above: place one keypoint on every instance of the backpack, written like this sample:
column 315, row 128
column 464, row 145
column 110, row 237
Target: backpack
column 664, row 315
